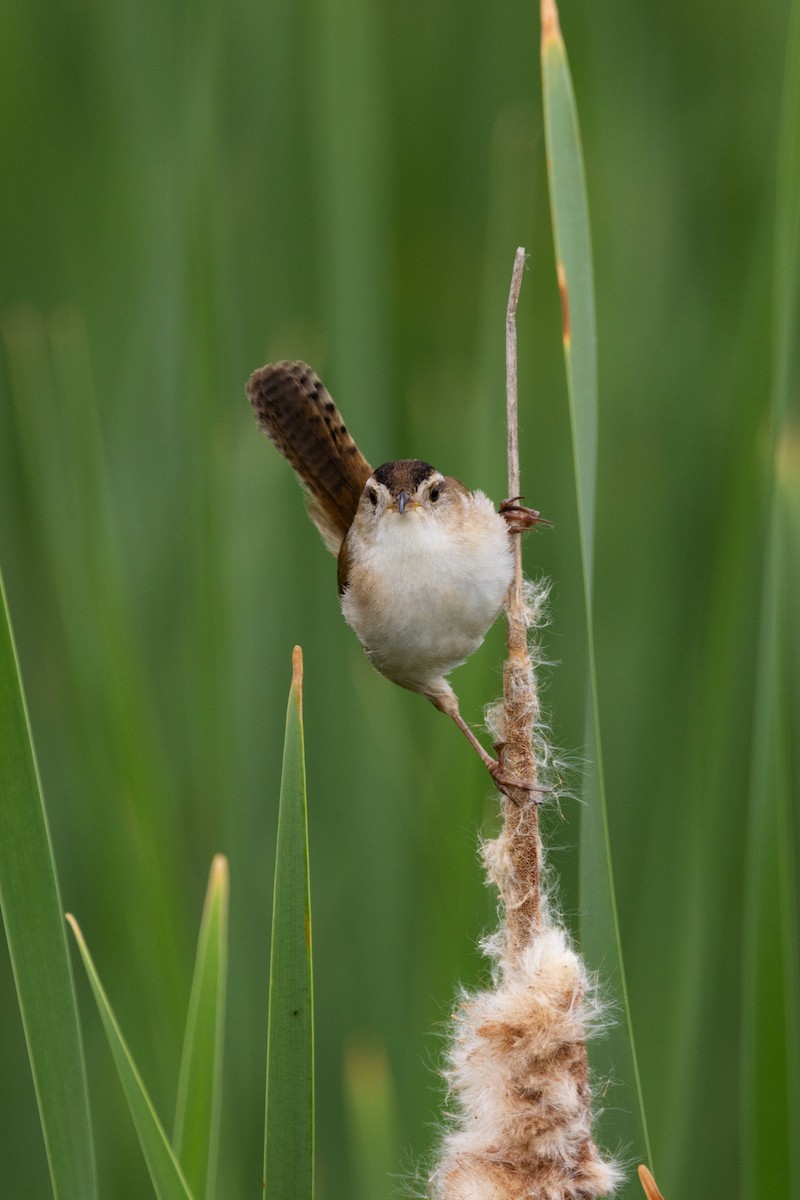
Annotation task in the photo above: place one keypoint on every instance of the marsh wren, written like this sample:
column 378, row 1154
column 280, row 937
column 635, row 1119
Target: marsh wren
column 424, row 563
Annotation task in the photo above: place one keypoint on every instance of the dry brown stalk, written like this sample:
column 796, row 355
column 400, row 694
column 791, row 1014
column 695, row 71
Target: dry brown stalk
column 520, row 708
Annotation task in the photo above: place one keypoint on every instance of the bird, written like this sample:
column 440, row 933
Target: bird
column 424, row 564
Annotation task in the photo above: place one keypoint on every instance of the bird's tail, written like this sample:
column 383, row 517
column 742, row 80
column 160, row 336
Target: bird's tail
column 295, row 410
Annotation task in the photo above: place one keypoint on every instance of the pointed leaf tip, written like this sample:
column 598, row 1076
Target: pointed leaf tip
column 649, row 1184
column 219, row 869
column 297, row 669
column 551, row 30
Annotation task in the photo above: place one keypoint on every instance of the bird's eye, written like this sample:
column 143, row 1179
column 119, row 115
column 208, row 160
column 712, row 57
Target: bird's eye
column 434, row 493
column 373, row 497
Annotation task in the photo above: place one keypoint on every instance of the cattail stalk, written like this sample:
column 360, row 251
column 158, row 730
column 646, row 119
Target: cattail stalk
column 517, row 1067
column 520, row 706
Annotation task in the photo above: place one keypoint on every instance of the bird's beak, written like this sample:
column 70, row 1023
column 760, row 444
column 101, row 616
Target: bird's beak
column 402, row 501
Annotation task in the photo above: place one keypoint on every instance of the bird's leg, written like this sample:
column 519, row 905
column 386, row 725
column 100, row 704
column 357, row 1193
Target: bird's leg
column 518, row 517
column 445, row 699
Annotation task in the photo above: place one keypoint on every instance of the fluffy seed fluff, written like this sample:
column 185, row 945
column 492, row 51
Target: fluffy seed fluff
column 520, row 700
column 517, row 1068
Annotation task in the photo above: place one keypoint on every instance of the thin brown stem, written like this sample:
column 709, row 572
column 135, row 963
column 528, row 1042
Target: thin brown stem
column 520, row 701
column 515, row 599
column 512, row 393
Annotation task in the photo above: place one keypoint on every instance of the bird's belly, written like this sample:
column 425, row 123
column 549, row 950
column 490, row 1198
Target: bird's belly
column 421, row 602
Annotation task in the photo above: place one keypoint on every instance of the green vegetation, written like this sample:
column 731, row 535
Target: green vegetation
column 289, row 1124
column 598, row 928
column 190, row 192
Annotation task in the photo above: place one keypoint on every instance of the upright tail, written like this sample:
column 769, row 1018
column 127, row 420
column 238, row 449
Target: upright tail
column 295, row 411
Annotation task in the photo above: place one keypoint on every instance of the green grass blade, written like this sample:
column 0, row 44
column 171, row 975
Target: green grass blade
column 771, row 967
column 65, row 457
column 31, row 905
column 369, row 1103
column 770, row 957
column 197, row 1117
column 165, row 1172
column 570, row 217
column 788, row 482
column 289, row 1132
column 347, row 88
column 614, row 1057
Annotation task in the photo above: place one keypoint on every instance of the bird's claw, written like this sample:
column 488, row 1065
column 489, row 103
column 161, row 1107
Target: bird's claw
column 518, row 517
column 510, row 784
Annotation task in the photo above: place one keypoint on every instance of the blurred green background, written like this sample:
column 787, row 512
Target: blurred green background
column 191, row 190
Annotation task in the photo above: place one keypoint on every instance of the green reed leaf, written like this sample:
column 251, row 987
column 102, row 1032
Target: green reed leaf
column 32, row 912
column 289, row 1127
column 771, row 964
column 197, row 1117
column 165, row 1172
column 624, row 1121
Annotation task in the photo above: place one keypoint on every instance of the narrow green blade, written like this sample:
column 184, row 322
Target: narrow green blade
column 166, row 1174
column 371, row 1120
column 770, row 995
column 771, row 964
column 614, row 1057
column 570, row 217
column 197, row 1116
column 32, row 910
column 289, row 1133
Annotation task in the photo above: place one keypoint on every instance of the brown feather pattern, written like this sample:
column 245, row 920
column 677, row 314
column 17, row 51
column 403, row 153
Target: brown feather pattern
column 295, row 410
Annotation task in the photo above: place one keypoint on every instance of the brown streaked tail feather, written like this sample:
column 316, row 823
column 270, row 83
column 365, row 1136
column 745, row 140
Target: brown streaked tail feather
column 295, row 410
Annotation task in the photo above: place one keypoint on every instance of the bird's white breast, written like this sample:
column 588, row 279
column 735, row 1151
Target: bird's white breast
column 424, row 587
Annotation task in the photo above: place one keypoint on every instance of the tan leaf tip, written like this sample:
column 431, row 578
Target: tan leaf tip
column 551, row 30
column 297, row 668
column 219, row 869
column 649, row 1184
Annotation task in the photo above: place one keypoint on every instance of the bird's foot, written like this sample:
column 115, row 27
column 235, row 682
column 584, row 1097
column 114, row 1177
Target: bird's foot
column 518, row 791
column 518, row 517
column 515, row 789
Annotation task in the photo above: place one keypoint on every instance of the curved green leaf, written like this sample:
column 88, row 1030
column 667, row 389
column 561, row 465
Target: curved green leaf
column 162, row 1164
column 770, row 1153
column 31, row 905
column 615, row 1056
